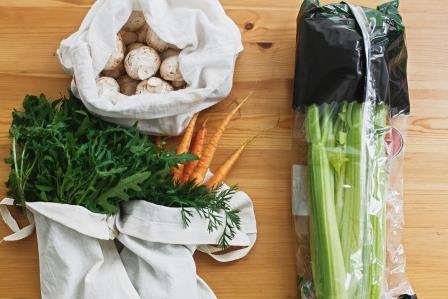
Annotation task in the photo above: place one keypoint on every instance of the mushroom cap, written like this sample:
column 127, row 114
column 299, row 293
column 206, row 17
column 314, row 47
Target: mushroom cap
column 142, row 63
column 117, row 55
column 169, row 70
column 128, row 86
column 106, row 83
column 136, row 21
column 154, row 85
column 128, row 37
column 154, row 41
column 141, row 33
column 141, row 87
column 178, row 84
column 134, row 46
column 168, row 53
column 114, row 73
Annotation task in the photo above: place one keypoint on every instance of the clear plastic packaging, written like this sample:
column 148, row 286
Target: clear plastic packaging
column 351, row 111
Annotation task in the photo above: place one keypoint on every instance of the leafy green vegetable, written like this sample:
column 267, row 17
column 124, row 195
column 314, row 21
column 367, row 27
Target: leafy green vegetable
column 61, row 153
column 347, row 170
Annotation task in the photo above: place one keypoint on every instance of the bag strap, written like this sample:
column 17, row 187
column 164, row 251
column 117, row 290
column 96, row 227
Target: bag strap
column 231, row 255
column 8, row 219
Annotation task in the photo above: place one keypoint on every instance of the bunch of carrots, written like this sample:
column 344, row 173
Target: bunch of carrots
column 197, row 169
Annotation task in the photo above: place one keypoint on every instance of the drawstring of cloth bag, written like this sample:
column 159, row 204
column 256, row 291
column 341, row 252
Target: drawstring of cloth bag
column 22, row 233
column 8, row 219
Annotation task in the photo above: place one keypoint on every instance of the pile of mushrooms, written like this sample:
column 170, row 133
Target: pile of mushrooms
column 141, row 62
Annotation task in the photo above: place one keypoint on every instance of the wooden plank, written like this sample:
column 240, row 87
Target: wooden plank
column 30, row 32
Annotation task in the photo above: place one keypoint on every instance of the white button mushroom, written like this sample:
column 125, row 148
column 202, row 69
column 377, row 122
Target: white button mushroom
column 154, row 41
column 142, row 63
column 136, row 21
column 128, row 86
column 141, row 33
column 134, row 46
column 168, row 53
column 178, row 84
column 128, row 37
column 154, row 85
column 106, row 83
column 115, row 73
column 169, row 70
column 117, row 55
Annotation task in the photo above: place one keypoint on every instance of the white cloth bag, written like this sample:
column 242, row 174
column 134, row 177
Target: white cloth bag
column 77, row 254
column 158, row 249
column 210, row 43
column 79, row 259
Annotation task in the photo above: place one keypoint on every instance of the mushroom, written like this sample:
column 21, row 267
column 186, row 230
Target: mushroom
column 169, row 70
column 117, row 55
column 178, row 84
column 168, row 53
column 134, row 46
column 106, row 83
column 142, row 63
column 154, row 85
column 128, row 37
column 115, row 73
column 136, row 21
column 128, row 85
column 173, row 46
column 141, row 33
column 154, row 41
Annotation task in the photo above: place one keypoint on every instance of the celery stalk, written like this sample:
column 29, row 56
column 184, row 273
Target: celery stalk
column 347, row 180
column 377, row 249
column 353, row 213
column 326, row 253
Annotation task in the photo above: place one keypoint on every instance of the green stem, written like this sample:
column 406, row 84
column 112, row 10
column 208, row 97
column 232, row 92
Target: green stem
column 326, row 253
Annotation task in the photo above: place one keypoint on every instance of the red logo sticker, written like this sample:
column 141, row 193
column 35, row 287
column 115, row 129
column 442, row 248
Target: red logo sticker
column 394, row 140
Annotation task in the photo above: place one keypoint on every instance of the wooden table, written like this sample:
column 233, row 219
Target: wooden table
column 31, row 30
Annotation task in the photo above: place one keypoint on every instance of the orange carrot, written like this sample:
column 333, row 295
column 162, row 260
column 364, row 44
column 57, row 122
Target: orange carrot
column 196, row 149
column 158, row 141
column 210, row 148
column 184, row 146
column 225, row 168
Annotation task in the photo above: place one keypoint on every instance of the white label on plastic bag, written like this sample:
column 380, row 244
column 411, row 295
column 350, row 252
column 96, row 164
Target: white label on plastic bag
column 299, row 190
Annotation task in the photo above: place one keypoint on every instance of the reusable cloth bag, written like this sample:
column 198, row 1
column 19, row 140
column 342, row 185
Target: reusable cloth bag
column 210, row 43
column 78, row 256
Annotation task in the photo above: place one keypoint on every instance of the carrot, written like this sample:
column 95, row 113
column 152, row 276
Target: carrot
column 225, row 168
column 210, row 148
column 197, row 147
column 158, row 141
column 184, row 147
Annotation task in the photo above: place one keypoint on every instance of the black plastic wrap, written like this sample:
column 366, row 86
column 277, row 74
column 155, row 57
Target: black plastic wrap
column 331, row 61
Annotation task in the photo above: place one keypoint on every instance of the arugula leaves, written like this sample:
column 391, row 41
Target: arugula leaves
column 61, row 153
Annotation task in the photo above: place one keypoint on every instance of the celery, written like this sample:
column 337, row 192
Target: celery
column 376, row 249
column 353, row 213
column 326, row 253
column 347, row 176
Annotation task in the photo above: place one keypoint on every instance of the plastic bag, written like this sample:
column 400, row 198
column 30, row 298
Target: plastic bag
column 351, row 98
column 210, row 43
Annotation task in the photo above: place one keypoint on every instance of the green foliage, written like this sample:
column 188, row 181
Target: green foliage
column 61, row 153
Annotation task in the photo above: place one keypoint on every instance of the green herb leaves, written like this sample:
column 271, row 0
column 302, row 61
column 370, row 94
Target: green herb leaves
column 61, row 153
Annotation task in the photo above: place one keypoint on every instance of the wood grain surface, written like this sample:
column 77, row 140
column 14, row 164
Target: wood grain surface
column 30, row 31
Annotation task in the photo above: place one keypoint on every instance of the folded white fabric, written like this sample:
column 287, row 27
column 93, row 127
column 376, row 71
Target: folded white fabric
column 158, row 249
column 78, row 257
column 77, row 254
column 210, row 43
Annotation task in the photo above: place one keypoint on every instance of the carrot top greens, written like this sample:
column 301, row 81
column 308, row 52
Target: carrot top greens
column 63, row 154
